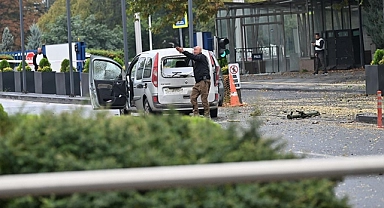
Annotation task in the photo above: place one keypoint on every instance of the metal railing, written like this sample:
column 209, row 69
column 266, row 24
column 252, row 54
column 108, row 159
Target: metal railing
column 185, row 176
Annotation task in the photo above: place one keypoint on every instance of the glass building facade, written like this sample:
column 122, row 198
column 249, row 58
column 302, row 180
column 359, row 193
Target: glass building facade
column 280, row 32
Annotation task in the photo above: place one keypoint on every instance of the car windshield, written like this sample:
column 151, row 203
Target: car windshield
column 175, row 67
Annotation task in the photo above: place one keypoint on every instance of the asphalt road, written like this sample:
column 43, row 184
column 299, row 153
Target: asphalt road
column 333, row 134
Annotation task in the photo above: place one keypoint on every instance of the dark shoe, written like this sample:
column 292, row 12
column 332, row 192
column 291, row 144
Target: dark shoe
column 315, row 73
column 325, row 73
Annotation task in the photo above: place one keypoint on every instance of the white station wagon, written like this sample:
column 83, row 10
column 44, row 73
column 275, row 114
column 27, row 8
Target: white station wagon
column 155, row 81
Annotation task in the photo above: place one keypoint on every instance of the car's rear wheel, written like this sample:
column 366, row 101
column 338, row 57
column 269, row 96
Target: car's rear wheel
column 125, row 110
column 147, row 107
column 213, row 112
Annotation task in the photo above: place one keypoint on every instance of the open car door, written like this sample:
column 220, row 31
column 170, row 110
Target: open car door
column 107, row 84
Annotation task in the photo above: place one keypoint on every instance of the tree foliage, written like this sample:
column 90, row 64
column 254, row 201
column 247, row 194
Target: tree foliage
column 34, row 38
column 174, row 10
column 108, row 16
column 73, row 142
column 373, row 21
column 7, row 40
column 89, row 30
column 10, row 16
column 106, row 12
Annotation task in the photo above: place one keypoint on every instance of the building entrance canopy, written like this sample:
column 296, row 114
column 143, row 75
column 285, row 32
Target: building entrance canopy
column 282, row 31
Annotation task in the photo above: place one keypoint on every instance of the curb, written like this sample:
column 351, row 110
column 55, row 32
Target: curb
column 303, row 90
column 47, row 99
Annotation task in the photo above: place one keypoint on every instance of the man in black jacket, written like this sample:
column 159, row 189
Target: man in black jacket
column 202, row 78
column 37, row 58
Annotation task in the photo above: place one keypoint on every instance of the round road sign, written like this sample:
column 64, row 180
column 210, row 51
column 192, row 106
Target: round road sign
column 29, row 57
column 234, row 69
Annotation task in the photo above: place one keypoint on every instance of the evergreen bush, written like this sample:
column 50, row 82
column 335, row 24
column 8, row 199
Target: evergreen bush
column 64, row 65
column 224, row 70
column 377, row 57
column 27, row 67
column 86, row 66
column 45, row 69
column 4, row 64
column 118, row 60
column 74, row 142
column 7, row 69
column 44, row 62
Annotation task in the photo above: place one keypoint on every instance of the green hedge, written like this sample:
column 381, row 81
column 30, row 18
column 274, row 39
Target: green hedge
column 71, row 142
column 86, row 66
column 4, row 64
column 64, row 66
column 110, row 54
column 377, row 57
column 26, row 65
column 6, row 57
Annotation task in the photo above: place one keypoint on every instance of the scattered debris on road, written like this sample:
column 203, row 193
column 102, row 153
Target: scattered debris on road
column 302, row 114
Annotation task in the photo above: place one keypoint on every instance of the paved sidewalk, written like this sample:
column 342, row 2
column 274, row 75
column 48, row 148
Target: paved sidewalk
column 47, row 98
column 351, row 81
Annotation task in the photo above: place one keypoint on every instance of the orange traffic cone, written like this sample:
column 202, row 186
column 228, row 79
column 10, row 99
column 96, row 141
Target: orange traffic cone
column 234, row 97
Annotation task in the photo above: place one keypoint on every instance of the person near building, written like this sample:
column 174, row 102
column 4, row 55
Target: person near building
column 37, row 58
column 319, row 45
column 202, row 78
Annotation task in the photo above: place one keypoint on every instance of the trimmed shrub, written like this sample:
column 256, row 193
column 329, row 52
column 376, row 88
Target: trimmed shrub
column 71, row 142
column 86, row 66
column 45, row 69
column 224, row 70
column 7, row 69
column 377, row 57
column 44, row 62
column 64, row 65
column 4, row 64
column 27, row 67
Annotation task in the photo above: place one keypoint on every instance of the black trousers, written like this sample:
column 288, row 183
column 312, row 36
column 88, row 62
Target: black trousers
column 320, row 61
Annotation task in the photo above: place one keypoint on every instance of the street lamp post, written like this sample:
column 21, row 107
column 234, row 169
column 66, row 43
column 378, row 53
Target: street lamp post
column 71, row 83
column 124, row 19
column 271, row 50
column 22, row 46
column 190, row 17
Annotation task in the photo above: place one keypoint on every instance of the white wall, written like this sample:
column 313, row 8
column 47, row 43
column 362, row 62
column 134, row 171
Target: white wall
column 57, row 53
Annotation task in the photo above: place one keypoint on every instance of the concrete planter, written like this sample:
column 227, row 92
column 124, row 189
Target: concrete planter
column 7, row 81
column 63, row 83
column 45, row 82
column 374, row 79
column 30, row 77
column 84, row 84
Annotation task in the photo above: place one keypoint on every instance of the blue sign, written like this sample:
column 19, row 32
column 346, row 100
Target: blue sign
column 183, row 23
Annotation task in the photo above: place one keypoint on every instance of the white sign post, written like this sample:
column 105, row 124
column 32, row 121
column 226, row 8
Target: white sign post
column 234, row 70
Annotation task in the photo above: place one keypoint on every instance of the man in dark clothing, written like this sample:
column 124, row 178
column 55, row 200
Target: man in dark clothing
column 319, row 54
column 37, row 58
column 202, row 78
